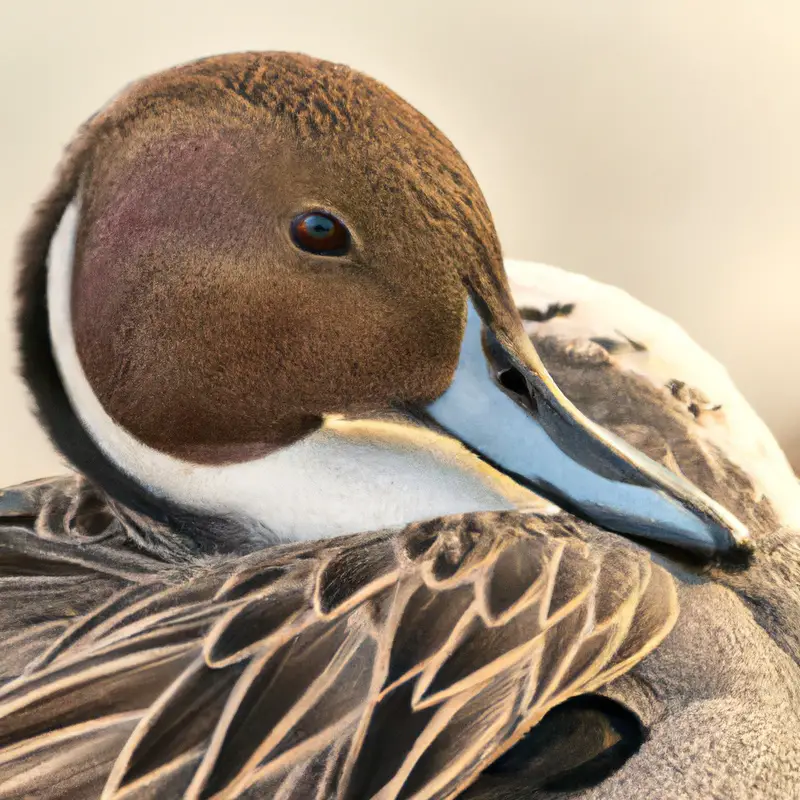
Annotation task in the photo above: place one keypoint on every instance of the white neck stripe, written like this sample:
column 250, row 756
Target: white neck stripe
column 341, row 479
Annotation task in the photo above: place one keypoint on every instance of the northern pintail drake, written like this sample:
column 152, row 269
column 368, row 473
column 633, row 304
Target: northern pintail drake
column 335, row 530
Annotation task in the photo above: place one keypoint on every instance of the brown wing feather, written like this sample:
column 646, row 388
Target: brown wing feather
column 393, row 665
column 62, row 564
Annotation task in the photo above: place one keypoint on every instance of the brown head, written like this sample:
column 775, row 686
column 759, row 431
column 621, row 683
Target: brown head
column 267, row 239
column 200, row 322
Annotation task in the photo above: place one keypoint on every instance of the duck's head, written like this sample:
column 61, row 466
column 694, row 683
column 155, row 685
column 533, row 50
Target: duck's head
column 239, row 249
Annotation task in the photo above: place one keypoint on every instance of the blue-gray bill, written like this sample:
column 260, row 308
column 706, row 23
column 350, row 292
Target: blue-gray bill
column 533, row 433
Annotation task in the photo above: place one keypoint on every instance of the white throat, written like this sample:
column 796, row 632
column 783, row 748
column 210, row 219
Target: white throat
column 345, row 478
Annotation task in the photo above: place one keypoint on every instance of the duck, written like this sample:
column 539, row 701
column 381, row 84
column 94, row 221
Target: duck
column 359, row 509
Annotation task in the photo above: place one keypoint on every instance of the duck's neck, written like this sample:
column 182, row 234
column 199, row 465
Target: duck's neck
column 345, row 477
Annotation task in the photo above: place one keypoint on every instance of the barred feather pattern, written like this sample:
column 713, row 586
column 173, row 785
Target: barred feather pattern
column 388, row 665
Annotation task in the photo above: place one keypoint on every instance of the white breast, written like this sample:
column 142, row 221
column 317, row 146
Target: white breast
column 344, row 478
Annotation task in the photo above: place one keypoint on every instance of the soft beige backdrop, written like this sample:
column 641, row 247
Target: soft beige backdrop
column 649, row 144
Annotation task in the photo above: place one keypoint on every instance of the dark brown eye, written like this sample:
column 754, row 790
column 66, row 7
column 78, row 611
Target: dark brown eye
column 320, row 233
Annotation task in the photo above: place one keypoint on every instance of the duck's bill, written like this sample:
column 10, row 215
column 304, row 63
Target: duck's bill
column 505, row 407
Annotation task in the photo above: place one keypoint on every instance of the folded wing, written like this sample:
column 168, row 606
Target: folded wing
column 391, row 665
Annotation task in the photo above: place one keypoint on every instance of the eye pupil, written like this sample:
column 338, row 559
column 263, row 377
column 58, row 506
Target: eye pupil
column 320, row 233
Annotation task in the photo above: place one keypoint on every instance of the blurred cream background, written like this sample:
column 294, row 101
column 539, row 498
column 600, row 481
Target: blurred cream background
column 653, row 145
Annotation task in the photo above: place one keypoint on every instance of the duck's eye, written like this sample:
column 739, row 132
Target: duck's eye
column 320, row 233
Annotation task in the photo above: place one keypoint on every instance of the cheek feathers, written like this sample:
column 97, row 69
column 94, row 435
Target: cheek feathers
column 196, row 319
column 184, row 362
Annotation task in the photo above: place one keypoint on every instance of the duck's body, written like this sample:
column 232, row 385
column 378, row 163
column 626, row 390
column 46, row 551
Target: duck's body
column 191, row 621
